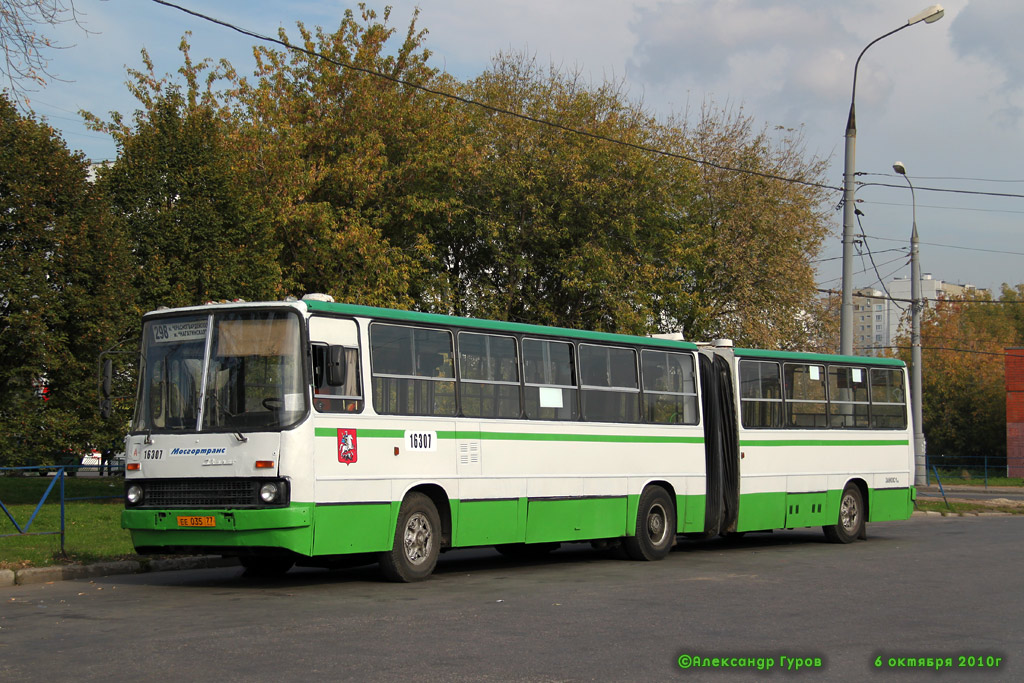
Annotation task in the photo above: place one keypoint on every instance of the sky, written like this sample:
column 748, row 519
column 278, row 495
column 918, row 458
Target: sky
column 946, row 99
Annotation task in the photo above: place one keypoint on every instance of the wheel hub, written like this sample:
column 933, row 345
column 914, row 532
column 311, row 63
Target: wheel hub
column 656, row 524
column 418, row 538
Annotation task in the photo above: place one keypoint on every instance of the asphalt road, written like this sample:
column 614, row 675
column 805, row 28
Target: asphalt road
column 928, row 587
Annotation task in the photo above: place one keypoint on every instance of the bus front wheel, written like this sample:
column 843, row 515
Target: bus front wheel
column 413, row 555
column 850, row 524
column 655, row 526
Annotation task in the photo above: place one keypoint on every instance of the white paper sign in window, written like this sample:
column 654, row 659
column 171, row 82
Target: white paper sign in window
column 550, row 397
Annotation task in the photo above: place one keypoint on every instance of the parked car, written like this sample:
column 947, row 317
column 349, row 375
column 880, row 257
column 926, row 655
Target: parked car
column 94, row 458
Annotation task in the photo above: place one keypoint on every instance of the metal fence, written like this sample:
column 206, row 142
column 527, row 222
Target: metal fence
column 977, row 467
column 60, row 473
column 58, row 482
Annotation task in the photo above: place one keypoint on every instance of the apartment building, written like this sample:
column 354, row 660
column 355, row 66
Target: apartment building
column 878, row 318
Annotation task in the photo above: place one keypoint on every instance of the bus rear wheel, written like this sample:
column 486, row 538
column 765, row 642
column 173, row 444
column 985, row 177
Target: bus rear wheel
column 655, row 526
column 413, row 555
column 850, row 524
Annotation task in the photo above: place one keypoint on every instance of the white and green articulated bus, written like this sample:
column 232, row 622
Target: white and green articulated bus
column 322, row 434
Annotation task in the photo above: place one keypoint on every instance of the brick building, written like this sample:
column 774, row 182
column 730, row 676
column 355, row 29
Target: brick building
column 1015, row 412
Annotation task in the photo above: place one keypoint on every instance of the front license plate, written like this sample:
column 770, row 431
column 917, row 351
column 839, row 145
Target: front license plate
column 205, row 520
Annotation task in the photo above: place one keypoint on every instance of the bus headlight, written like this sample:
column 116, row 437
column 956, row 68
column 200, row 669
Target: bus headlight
column 134, row 494
column 269, row 492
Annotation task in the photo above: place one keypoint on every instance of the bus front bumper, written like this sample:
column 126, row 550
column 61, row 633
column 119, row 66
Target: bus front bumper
column 170, row 531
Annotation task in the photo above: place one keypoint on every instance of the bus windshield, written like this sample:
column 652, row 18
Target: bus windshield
column 230, row 371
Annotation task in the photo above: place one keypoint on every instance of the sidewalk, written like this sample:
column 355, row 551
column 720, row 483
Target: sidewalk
column 20, row 577
column 996, row 496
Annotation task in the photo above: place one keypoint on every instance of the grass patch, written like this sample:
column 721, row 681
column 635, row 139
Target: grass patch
column 954, row 478
column 28, row 490
column 92, row 528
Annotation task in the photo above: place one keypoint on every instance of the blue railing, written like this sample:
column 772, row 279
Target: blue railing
column 58, row 481
column 981, row 466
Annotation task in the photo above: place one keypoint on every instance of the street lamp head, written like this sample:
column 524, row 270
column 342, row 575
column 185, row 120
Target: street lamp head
column 928, row 15
column 899, row 168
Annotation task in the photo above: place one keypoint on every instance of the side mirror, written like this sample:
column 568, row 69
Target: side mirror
column 337, row 367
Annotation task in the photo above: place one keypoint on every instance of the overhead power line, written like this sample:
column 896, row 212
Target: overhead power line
column 937, row 189
column 927, row 300
column 952, row 246
column 837, row 258
column 939, row 177
column 864, row 241
column 859, row 272
column 492, row 108
column 934, row 206
column 945, row 348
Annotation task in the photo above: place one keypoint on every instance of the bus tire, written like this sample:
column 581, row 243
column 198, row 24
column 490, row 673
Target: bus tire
column 413, row 555
column 655, row 526
column 850, row 524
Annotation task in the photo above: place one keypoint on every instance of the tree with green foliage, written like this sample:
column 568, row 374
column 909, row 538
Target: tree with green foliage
column 197, row 233
column 555, row 227
column 567, row 229
column 752, row 236
column 61, row 301
column 380, row 193
column 963, row 342
column 354, row 169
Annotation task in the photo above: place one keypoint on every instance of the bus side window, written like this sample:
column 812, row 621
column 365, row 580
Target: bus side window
column 412, row 370
column 549, row 377
column 760, row 394
column 328, row 397
column 609, row 387
column 670, row 388
column 848, row 397
column 888, row 399
column 488, row 375
column 805, row 396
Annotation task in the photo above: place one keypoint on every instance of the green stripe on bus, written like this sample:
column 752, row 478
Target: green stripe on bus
column 590, row 438
column 519, row 436
column 826, row 442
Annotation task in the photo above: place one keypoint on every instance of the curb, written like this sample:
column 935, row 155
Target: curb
column 33, row 575
column 936, row 513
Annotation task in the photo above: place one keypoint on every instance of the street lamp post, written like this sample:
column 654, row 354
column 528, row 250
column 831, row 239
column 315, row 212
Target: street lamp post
column 928, row 15
column 915, row 337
